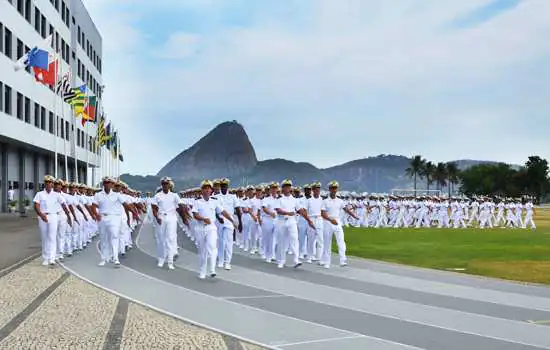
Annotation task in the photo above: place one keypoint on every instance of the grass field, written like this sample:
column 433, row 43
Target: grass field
column 521, row 255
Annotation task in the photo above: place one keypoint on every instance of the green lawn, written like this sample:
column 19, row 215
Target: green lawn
column 521, row 255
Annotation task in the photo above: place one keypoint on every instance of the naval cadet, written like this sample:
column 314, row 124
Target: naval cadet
column 48, row 205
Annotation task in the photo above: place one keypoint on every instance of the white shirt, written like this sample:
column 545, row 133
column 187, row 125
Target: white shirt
column 167, row 203
column 314, row 206
column 11, row 195
column 287, row 203
column 333, row 207
column 208, row 209
column 109, row 204
column 269, row 204
column 50, row 203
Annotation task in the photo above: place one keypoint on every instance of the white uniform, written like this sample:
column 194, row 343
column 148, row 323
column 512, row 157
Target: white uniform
column 315, row 237
column 50, row 205
column 268, row 228
column 333, row 207
column 167, row 233
column 287, row 229
column 109, row 206
column 229, row 203
column 206, row 234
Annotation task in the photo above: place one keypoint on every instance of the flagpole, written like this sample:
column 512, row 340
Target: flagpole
column 65, row 144
column 117, row 160
column 56, row 66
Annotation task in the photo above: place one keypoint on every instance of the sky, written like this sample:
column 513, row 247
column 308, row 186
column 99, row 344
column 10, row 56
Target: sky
column 328, row 81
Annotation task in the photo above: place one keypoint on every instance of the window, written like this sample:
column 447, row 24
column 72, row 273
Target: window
column 42, row 118
column 28, row 10
column 68, row 12
column 50, row 122
column 78, row 68
column 20, row 48
column 1, row 37
column 56, row 42
column 20, row 7
column 67, row 129
column 63, row 50
column 7, row 43
column 43, row 26
column 61, row 128
column 19, row 106
column 1, row 96
column 74, row 54
column 36, row 115
column 37, row 20
column 78, row 34
column 63, row 11
column 27, row 110
column 78, row 138
column 57, row 5
column 7, row 99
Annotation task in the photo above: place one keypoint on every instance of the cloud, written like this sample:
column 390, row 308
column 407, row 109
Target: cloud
column 328, row 81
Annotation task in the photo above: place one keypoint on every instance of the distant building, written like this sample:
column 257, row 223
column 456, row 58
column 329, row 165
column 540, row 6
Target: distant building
column 28, row 110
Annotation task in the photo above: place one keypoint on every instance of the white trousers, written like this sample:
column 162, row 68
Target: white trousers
column 287, row 236
column 337, row 231
column 62, row 246
column 48, row 235
column 268, row 244
column 167, row 238
column 225, row 244
column 109, row 231
column 207, row 237
column 315, row 239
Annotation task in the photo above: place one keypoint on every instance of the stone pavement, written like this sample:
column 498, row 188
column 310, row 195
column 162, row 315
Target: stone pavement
column 19, row 239
column 46, row 308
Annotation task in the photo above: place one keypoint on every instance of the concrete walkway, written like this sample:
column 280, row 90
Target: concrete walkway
column 46, row 308
column 367, row 305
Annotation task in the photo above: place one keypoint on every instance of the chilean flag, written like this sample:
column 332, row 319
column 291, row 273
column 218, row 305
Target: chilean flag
column 47, row 76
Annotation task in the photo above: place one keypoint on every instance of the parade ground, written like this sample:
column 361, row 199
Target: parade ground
column 368, row 305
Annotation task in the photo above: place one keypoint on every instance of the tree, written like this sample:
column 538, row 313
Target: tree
column 440, row 175
column 491, row 180
column 537, row 176
column 428, row 172
column 452, row 175
column 415, row 168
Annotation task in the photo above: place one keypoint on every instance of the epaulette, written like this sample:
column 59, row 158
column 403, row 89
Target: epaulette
column 213, row 197
column 279, row 196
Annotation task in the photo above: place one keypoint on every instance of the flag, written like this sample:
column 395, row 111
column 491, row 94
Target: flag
column 38, row 56
column 78, row 100
column 63, row 87
column 46, row 76
column 102, row 137
column 89, row 114
column 108, row 136
column 114, row 142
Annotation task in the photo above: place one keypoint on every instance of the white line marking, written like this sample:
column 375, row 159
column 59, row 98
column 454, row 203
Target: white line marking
column 254, row 297
column 21, row 262
column 398, row 318
column 162, row 311
column 327, row 340
column 257, row 309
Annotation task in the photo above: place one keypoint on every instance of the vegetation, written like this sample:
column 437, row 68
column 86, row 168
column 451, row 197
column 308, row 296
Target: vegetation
column 492, row 179
column 514, row 254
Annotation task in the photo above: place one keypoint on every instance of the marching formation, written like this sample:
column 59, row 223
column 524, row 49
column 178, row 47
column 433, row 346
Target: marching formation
column 277, row 221
column 70, row 215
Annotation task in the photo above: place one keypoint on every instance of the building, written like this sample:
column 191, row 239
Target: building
column 30, row 111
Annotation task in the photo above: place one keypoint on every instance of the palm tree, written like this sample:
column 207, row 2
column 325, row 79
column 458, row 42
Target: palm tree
column 415, row 168
column 452, row 175
column 440, row 175
column 427, row 172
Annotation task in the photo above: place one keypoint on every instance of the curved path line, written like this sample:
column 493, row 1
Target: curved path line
column 308, row 309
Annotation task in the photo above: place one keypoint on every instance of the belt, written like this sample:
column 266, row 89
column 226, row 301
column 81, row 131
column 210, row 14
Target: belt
column 51, row 213
column 170, row 213
column 315, row 216
column 107, row 214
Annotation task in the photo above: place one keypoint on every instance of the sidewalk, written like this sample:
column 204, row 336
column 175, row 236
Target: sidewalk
column 19, row 238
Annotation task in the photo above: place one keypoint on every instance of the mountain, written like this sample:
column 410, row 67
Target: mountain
column 226, row 151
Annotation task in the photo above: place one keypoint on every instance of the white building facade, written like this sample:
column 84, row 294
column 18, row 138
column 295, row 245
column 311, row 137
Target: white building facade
column 30, row 111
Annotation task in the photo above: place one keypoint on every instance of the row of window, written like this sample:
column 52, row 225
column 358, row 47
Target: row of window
column 33, row 113
column 25, row 7
column 7, row 39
